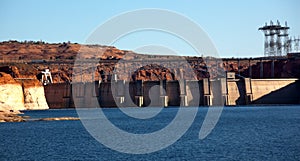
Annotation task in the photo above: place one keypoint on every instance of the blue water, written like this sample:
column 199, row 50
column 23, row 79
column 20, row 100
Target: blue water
column 242, row 133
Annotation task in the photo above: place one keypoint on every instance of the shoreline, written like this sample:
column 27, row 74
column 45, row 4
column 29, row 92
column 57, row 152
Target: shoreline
column 11, row 116
column 17, row 116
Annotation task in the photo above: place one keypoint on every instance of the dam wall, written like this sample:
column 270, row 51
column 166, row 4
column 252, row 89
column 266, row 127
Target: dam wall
column 173, row 93
column 59, row 95
column 275, row 91
column 263, row 91
column 236, row 92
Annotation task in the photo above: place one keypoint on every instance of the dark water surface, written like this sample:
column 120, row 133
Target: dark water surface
column 242, row 133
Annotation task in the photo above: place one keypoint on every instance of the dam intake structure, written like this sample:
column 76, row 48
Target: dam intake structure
column 242, row 91
column 152, row 84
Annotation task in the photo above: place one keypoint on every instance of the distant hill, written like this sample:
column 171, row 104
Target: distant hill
column 30, row 50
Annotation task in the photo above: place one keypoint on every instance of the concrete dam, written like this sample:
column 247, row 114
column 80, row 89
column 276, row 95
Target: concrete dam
column 206, row 92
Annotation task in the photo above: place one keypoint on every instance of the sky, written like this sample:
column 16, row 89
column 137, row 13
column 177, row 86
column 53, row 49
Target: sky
column 231, row 25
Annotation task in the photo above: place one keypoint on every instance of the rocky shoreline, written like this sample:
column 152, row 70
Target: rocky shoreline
column 11, row 116
column 14, row 116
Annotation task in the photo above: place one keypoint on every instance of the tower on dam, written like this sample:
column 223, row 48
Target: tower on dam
column 277, row 40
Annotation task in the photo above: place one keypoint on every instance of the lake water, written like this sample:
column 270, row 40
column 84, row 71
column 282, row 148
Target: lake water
column 242, row 133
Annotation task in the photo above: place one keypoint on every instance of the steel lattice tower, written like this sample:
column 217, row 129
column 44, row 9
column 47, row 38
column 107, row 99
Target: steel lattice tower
column 277, row 42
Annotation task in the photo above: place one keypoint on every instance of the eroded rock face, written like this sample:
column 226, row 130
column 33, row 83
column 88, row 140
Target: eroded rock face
column 34, row 95
column 21, row 95
column 34, row 98
column 11, row 93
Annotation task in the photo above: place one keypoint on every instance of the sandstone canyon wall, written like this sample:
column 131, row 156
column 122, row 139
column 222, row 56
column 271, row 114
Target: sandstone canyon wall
column 11, row 97
column 21, row 95
column 34, row 95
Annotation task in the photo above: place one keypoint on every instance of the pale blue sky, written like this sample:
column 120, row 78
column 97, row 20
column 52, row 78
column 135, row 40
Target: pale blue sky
column 232, row 25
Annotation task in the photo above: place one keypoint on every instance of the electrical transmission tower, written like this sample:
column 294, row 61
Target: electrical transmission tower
column 277, row 41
